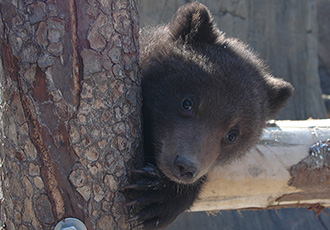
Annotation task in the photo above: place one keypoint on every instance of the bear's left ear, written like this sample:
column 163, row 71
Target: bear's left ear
column 278, row 92
column 193, row 23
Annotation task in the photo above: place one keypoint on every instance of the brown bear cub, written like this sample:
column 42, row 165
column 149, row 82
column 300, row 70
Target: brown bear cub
column 206, row 99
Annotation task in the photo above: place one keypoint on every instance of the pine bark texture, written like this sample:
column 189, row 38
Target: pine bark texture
column 70, row 115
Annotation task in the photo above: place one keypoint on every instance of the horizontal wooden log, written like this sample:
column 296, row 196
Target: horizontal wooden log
column 281, row 171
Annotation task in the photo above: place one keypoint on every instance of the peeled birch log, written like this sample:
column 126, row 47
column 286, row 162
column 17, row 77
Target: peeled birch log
column 289, row 167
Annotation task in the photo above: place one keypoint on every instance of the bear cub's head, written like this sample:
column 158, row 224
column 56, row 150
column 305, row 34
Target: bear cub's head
column 206, row 97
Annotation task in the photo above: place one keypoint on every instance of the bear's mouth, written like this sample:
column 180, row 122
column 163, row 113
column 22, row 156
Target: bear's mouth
column 186, row 153
column 179, row 173
column 181, row 179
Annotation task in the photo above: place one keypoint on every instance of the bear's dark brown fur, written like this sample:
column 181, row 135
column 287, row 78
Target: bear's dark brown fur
column 206, row 98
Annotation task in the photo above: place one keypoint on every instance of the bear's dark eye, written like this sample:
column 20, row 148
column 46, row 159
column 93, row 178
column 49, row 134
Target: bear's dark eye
column 232, row 136
column 187, row 104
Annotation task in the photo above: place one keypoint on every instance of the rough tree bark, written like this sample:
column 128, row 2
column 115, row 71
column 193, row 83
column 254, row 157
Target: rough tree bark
column 70, row 111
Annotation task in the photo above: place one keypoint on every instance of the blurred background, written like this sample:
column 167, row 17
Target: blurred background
column 293, row 37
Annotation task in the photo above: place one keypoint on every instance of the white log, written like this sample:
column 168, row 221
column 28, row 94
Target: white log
column 262, row 178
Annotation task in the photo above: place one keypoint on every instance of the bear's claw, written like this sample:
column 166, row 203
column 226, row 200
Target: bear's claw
column 149, row 171
column 156, row 200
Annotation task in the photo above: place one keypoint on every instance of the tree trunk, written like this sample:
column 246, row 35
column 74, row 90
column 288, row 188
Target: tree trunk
column 70, row 111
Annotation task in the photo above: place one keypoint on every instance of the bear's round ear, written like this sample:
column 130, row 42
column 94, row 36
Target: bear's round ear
column 193, row 23
column 278, row 92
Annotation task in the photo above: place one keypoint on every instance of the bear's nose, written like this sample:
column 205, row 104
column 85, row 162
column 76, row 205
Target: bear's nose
column 185, row 168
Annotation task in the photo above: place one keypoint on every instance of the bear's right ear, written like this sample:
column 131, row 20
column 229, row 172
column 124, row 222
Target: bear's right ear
column 278, row 92
column 193, row 23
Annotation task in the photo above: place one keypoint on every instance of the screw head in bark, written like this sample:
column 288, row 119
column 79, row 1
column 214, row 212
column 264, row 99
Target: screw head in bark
column 70, row 224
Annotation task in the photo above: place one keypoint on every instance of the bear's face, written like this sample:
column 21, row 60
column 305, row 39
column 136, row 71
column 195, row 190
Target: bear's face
column 206, row 97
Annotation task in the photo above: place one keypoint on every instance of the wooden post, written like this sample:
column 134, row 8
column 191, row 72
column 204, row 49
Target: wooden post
column 281, row 171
